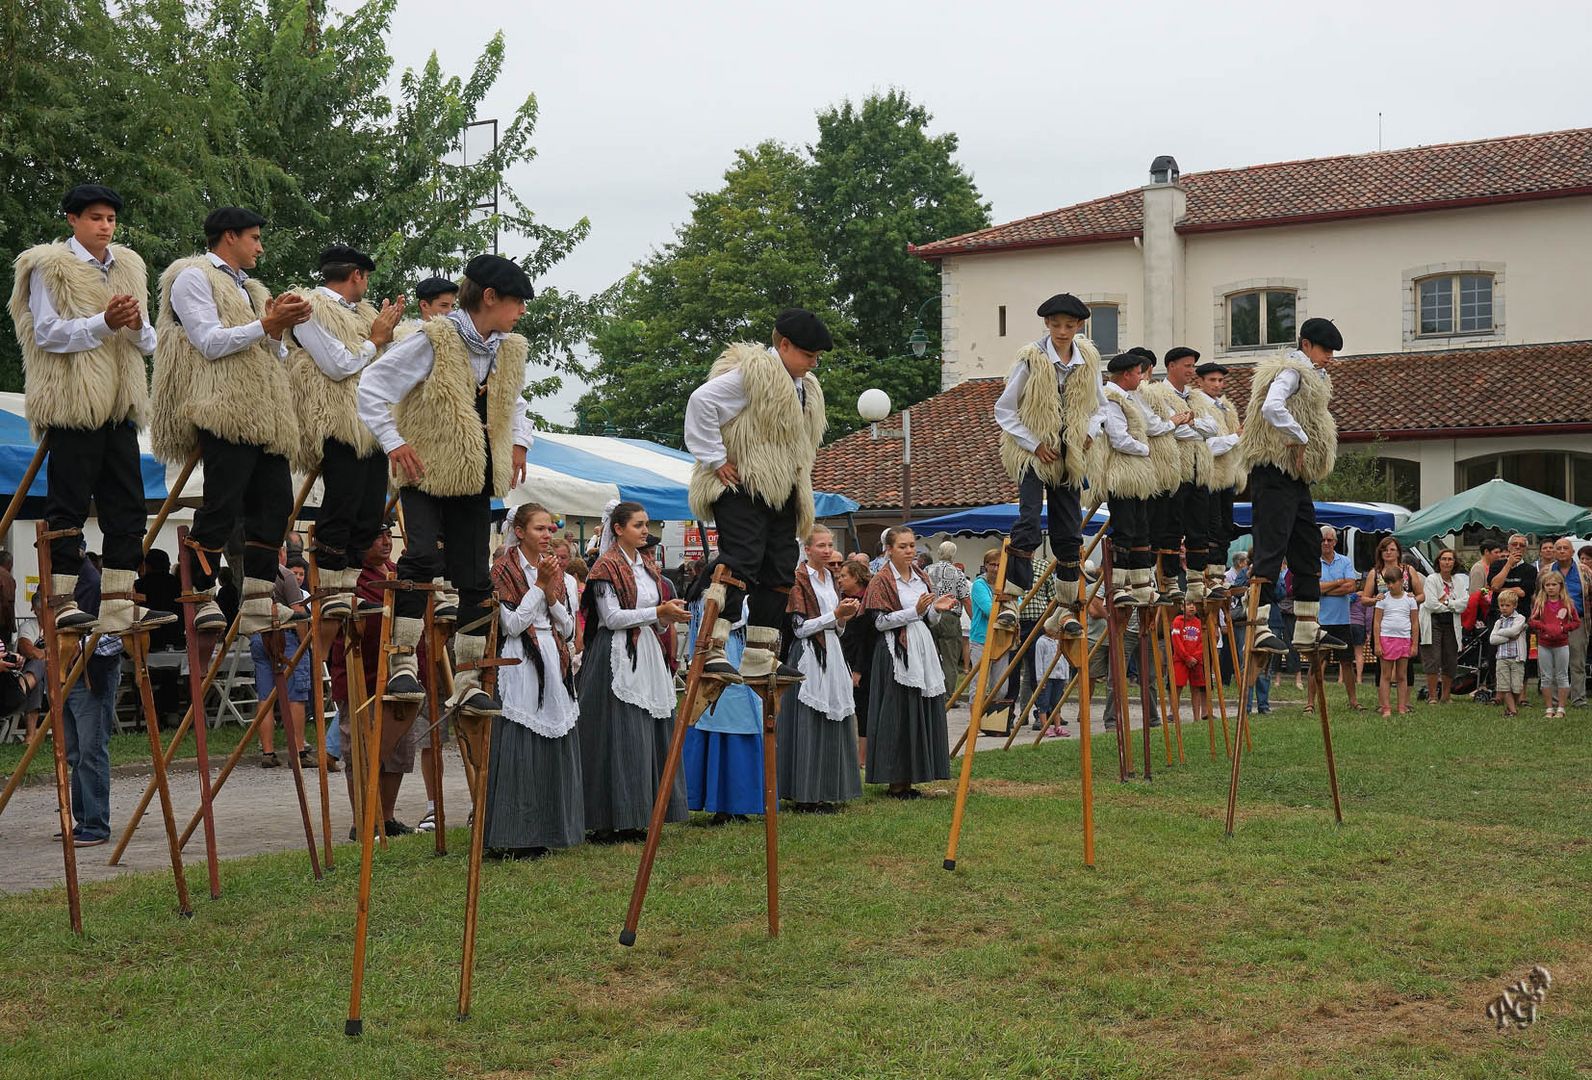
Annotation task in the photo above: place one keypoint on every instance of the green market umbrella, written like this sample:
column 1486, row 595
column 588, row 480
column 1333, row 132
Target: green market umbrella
column 1497, row 504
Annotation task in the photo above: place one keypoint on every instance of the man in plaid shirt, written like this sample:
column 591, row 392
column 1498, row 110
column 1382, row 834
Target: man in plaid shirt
column 948, row 579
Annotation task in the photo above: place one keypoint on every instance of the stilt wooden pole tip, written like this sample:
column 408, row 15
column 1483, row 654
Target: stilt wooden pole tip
column 950, row 864
column 462, row 1017
column 187, row 913
column 627, row 938
column 354, row 1028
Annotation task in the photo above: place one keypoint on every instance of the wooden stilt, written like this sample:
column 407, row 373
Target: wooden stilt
column 57, row 699
column 1066, row 692
column 480, row 739
column 1214, row 678
column 1146, row 673
column 370, row 811
column 694, row 690
column 975, row 717
column 1248, row 679
column 770, row 694
column 1116, row 630
column 140, row 650
column 284, row 674
column 1318, row 665
column 435, row 648
column 1177, row 728
column 1234, row 650
column 318, row 644
column 1163, row 658
column 1085, row 760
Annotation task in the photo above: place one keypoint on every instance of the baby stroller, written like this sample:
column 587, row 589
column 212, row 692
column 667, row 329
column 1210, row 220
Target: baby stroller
column 1469, row 674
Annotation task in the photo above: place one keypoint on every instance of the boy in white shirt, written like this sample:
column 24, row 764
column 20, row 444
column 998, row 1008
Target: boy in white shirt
column 1509, row 635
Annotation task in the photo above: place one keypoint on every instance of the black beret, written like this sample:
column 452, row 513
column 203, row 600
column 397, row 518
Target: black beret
column 231, row 217
column 1323, row 333
column 504, row 275
column 342, row 253
column 1145, row 355
column 1063, row 304
column 433, row 287
column 1210, row 367
column 804, row 329
column 84, row 196
column 1179, row 352
column 1125, row 362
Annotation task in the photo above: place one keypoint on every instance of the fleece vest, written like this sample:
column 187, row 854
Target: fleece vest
column 243, row 397
column 328, row 407
column 1225, row 473
column 773, row 442
column 1263, row 444
column 440, row 420
column 95, row 387
column 1119, row 475
column 1058, row 419
column 1166, row 459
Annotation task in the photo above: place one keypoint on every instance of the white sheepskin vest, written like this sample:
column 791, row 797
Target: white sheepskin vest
column 1263, row 444
column 328, row 409
column 1166, row 458
column 1062, row 425
column 1225, row 473
column 1119, row 475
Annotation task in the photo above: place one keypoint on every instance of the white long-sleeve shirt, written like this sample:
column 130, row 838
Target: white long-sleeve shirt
column 195, row 307
column 614, row 617
column 1115, row 424
column 330, row 355
column 1153, row 424
column 390, row 378
column 1011, row 398
column 54, row 334
column 908, row 590
column 1221, row 444
column 1275, row 408
column 711, row 406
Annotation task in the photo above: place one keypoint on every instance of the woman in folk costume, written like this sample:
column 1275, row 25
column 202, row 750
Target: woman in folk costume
column 325, row 357
column 817, row 726
column 627, row 696
column 447, row 406
column 1044, row 411
column 80, row 310
column 723, row 757
column 1290, row 441
column 534, row 794
column 857, row 639
column 754, row 428
column 219, row 387
column 1226, row 476
column 907, row 741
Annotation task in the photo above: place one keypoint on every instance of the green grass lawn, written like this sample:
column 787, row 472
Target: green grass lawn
column 1295, row 949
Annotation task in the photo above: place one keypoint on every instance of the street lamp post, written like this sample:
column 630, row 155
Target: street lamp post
column 874, row 405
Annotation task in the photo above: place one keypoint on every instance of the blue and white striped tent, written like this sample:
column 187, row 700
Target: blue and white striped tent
column 578, row 474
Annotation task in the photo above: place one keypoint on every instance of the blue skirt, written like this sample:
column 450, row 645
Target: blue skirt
column 723, row 772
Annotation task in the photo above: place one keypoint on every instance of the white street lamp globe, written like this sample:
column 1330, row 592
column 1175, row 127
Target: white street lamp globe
column 873, row 404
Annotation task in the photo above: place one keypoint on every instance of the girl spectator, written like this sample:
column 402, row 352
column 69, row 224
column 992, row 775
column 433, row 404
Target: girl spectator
column 1447, row 594
column 534, row 798
column 1395, row 633
column 1553, row 618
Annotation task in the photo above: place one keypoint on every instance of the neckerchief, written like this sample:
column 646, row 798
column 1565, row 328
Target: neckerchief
column 511, row 585
column 473, row 341
column 804, row 602
column 615, row 569
column 883, row 596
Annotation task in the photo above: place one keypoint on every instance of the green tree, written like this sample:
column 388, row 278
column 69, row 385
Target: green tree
column 878, row 182
column 746, row 252
column 1364, row 476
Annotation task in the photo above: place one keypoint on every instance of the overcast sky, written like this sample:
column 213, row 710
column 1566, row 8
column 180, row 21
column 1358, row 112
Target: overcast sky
column 1054, row 103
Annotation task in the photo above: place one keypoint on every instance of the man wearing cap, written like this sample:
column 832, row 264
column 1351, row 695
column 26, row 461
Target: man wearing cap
column 1290, row 442
column 220, row 388
column 436, row 296
column 447, row 406
column 326, row 355
column 1052, row 392
column 1121, row 470
column 80, row 310
column 1198, row 440
column 1177, row 454
column 754, row 428
column 1209, row 397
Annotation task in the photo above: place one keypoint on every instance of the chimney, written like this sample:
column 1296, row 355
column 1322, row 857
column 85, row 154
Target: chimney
column 1165, row 203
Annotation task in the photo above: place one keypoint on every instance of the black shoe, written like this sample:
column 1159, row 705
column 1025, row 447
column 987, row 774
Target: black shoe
column 786, row 675
column 1327, row 642
column 480, row 703
column 722, row 670
column 720, row 818
column 1071, row 627
column 1123, row 599
column 75, row 620
column 1155, row 723
column 1111, row 725
column 308, row 760
column 442, row 612
column 210, row 622
column 404, row 687
column 1268, row 642
column 396, row 828
column 909, row 793
column 151, row 619
column 827, row 808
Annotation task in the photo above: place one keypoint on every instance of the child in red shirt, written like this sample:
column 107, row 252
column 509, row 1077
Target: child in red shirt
column 1188, row 657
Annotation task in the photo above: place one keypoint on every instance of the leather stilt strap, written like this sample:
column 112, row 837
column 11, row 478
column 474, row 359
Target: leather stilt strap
column 202, row 553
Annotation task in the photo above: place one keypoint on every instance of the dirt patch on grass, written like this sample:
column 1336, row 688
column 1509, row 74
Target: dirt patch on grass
column 1015, row 789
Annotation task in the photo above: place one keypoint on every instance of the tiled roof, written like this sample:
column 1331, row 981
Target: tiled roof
column 1514, row 168
column 1455, row 394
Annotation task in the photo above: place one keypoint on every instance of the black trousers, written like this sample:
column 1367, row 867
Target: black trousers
column 1284, row 517
column 1130, row 533
column 1192, row 505
column 1065, row 526
column 100, row 464
column 758, row 543
column 242, row 482
column 448, row 536
column 351, row 508
column 1219, row 531
column 1166, row 531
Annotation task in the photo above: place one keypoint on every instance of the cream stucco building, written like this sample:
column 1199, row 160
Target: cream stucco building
column 1450, row 270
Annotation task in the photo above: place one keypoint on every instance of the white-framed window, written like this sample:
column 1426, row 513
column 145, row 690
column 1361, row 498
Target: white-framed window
column 1447, row 305
column 1262, row 318
column 1104, row 327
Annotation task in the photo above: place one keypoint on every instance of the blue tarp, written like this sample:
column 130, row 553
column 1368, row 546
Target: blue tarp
column 999, row 518
column 16, row 453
